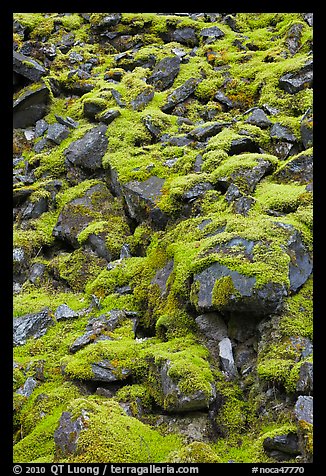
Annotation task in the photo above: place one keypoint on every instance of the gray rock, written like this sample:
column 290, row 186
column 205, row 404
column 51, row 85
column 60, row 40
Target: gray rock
column 195, row 426
column 285, row 443
column 180, row 94
column 108, row 116
column 67, row 121
column 279, row 132
column 242, row 144
column 162, row 275
column 179, row 141
column 224, row 100
column 98, row 244
column 35, row 209
column 212, row 326
column 36, row 272
column 142, row 100
column 117, row 97
column 57, row 133
column 198, row 163
column 303, row 409
column 153, row 129
column 300, row 267
column 41, row 145
column 165, row 73
column 19, row 258
column 92, row 108
column 241, row 203
column 211, row 34
column 41, row 126
column 198, row 190
column 88, row 151
column 309, row 18
column 306, row 129
column 67, row 433
column 27, row 67
column 305, row 382
column 31, row 325
column 259, row 118
column 177, row 401
column 185, row 36
column 27, row 389
column 82, row 341
column 125, row 251
column 104, row 371
column 226, row 357
column 65, row 312
column 299, row 168
column 203, row 132
column 141, row 200
column 110, row 19
column 293, row 40
column 30, row 106
column 298, row 80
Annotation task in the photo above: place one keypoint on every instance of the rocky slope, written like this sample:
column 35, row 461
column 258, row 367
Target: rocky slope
column 162, row 256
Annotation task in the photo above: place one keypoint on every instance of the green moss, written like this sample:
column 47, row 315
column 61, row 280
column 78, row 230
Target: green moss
column 280, row 197
column 196, row 452
column 222, row 291
column 298, row 313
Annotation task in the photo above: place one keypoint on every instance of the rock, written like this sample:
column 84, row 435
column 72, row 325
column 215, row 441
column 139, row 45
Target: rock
column 104, row 371
column 299, row 169
column 305, row 382
column 125, row 251
column 211, row 34
column 106, row 21
column 41, row 145
column 226, row 357
column 195, row 426
column 142, row 100
column 27, row 67
column 242, row 144
column 31, row 325
column 98, row 244
column 241, row 203
column 65, row 312
column 117, row 97
column 287, row 444
column 82, row 341
column 203, row 132
column 141, row 200
column 19, row 260
column 67, row 433
column 245, row 357
column 67, row 121
column 296, row 81
column 154, row 130
column 36, row 272
column 179, row 141
column 108, row 116
column 306, row 129
column 309, row 18
column 93, row 107
column 57, row 133
column 165, row 73
column 177, row 401
column 41, row 126
column 161, row 277
column 198, row 190
column 198, row 163
column 300, row 267
column 244, row 297
column 259, row 118
column 279, row 132
column 27, row 389
column 224, row 100
column 293, row 41
column 303, row 409
column 180, row 94
column 213, row 327
column 30, row 106
column 88, row 151
column 185, row 36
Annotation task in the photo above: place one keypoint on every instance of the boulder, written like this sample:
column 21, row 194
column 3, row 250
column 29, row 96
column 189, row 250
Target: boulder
column 298, row 168
column 88, row 151
column 212, row 327
column 36, row 272
column 97, row 243
column 300, row 267
column 108, row 116
column 226, row 357
column 211, row 34
column 242, row 144
column 259, row 118
column 224, row 100
column 198, row 190
column 241, row 203
column 296, row 81
column 185, row 36
column 41, row 127
column 180, row 94
column 30, row 106
column 165, row 73
column 105, row 371
column 27, row 67
column 279, row 132
column 293, row 40
column 142, row 99
column 31, row 325
column 141, row 200
column 67, row 433
column 35, row 209
column 57, row 133
column 65, row 312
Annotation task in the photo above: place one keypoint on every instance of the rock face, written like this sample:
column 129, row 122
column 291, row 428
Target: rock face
column 31, row 325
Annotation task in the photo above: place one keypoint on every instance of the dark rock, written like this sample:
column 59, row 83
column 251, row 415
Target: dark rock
column 82, row 341
column 153, row 129
column 226, row 357
column 211, row 34
column 224, row 100
column 165, row 73
column 27, row 389
column 67, row 121
column 231, row 21
column 57, row 133
column 179, row 141
column 36, row 272
column 241, row 203
column 110, row 19
column 283, row 150
column 92, row 108
column 279, row 132
column 213, row 329
column 19, row 260
column 306, row 129
column 176, row 400
column 259, row 118
column 249, row 178
column 305, row 382
column 98, row 244
column 142, row 100
column 300, row 169
column 27, row 67
column 293, row 41
column 285, row 443
column 67, row 433
column 30, row 106
column 196, row 191
column 296, row 81
column 203, row 132
column 35, row 209
column 161, row 277
column 123, row 290
column 185, row 36
column 64, row 312
column 31, row 325
column 270, row 110
column 41, row 145
column 303, row 409
column 104, row 371
column 198, row 163
column 117, row 97
column 194, row 427
column 125, row 251
column 260, row 302
column 141, row 200
column 108, row 116
column 41, row 126
column 245, row 357
column 243, row 144
column 180, row 94
column 300, row 267
column 88, row 151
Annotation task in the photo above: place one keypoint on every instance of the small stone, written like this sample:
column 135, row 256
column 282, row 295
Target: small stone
column 67, row 121
column 28, row 387
column 41, row 126
column 31, row 325
column 279, row 132
column 223, row 99
column 186, row 36
column 226, row 357
column 305, row 382
column 259, row 118
column 211, row 34
column 65, row 312
column 27, row 67
column 57, row 133
column 37, row 271
column 108, row 116
column 299, row 80
column 164, row 73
